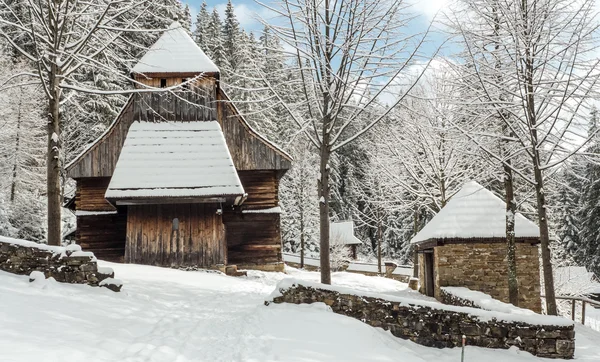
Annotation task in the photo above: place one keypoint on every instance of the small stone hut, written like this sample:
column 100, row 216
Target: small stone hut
column 342, row 233
column 180, row 178
column 464, row 245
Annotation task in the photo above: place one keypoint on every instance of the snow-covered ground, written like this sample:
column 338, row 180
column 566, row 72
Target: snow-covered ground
column 171, row 315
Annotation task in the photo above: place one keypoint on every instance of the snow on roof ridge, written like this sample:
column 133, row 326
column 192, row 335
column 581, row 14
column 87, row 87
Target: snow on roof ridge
column 474, row 212
column 175, row 52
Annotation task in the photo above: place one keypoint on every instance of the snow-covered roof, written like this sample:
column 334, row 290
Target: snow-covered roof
column 474, row 213
column 175, row 52
column 343, row 232
column 174, row 159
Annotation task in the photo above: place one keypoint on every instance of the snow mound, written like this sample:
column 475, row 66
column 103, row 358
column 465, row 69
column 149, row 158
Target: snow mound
column 111, row 281
column 73, row 248
column 38, row 280
column 486, row 302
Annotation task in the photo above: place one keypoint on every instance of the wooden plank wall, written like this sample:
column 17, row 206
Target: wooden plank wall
column 199, row 240
column 253, row 238
column 102, row 234
column 90, row 194
column 248, row 150
column 101, row 159
column 198, row 105
column 262, row 188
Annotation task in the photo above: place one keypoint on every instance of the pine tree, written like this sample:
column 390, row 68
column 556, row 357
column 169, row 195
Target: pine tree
column 214, row 42
column 186, row 19
column 231, row 36
column 588, row 252
column 202, row 24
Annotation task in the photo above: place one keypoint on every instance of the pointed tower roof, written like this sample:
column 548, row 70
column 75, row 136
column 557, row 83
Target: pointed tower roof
column 474, row 213
column 175, row 52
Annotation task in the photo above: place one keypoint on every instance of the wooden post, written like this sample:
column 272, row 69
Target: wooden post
column 583, row 312
column 416, row 261
column 462, row 353
column 573, row 309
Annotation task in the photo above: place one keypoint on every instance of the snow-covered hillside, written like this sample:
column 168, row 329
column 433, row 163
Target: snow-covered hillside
column 171, row 315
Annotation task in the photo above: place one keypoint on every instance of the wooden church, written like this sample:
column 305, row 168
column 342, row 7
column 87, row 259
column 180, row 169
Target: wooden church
column 180, row 178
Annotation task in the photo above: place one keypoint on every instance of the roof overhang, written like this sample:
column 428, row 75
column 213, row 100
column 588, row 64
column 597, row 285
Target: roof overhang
column 200, row 75
column 432, row 243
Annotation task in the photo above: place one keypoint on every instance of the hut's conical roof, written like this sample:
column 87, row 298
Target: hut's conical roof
column 474, row 213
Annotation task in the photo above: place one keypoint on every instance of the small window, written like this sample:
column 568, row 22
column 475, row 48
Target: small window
column 175, row 224
column 163, row 83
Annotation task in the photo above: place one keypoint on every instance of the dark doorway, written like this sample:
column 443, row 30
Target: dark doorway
column 428, row 256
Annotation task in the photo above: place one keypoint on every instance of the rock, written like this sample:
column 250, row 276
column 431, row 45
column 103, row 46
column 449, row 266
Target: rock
column 413, row 283
column 65, row 265
column 113, row 284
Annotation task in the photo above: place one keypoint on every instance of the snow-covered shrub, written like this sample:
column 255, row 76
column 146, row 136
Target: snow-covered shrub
column 339, row 254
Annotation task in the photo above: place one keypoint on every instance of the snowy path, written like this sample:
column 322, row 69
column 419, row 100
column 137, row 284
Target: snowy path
column 169, row 315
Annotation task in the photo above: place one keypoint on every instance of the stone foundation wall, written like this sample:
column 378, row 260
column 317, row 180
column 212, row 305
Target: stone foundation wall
column 269, row 267
column 440, row 327
column 482, row 267
column 66, row 265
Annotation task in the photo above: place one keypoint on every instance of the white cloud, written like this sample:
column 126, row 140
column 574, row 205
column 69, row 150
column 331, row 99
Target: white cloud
column 429, row 8
column 248, row 16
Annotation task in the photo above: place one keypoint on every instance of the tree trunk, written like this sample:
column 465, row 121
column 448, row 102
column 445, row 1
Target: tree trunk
column 379, row 237
column 13, row 185
column 513, row 283
column 415, row 253
column 544, row 240
column 301, row 236
column 535, row 155
column 324, row 214
column 53, row 162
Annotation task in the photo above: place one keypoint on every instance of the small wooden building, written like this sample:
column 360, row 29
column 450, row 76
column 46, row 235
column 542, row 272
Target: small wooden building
column 464, row 245
column 180, row 178
column 342, row 233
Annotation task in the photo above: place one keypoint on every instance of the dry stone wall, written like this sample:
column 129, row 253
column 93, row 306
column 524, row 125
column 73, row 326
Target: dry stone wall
column 66, row 265
column 442, row 327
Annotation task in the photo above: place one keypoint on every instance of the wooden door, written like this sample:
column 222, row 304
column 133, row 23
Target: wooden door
column 429, row 286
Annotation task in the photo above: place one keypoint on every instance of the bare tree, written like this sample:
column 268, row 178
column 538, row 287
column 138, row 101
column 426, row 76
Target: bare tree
column 59, row 38
column 549, row 74
column 351, row 55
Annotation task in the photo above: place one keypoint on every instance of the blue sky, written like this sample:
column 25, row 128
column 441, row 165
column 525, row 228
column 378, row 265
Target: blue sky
column 247, row 10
